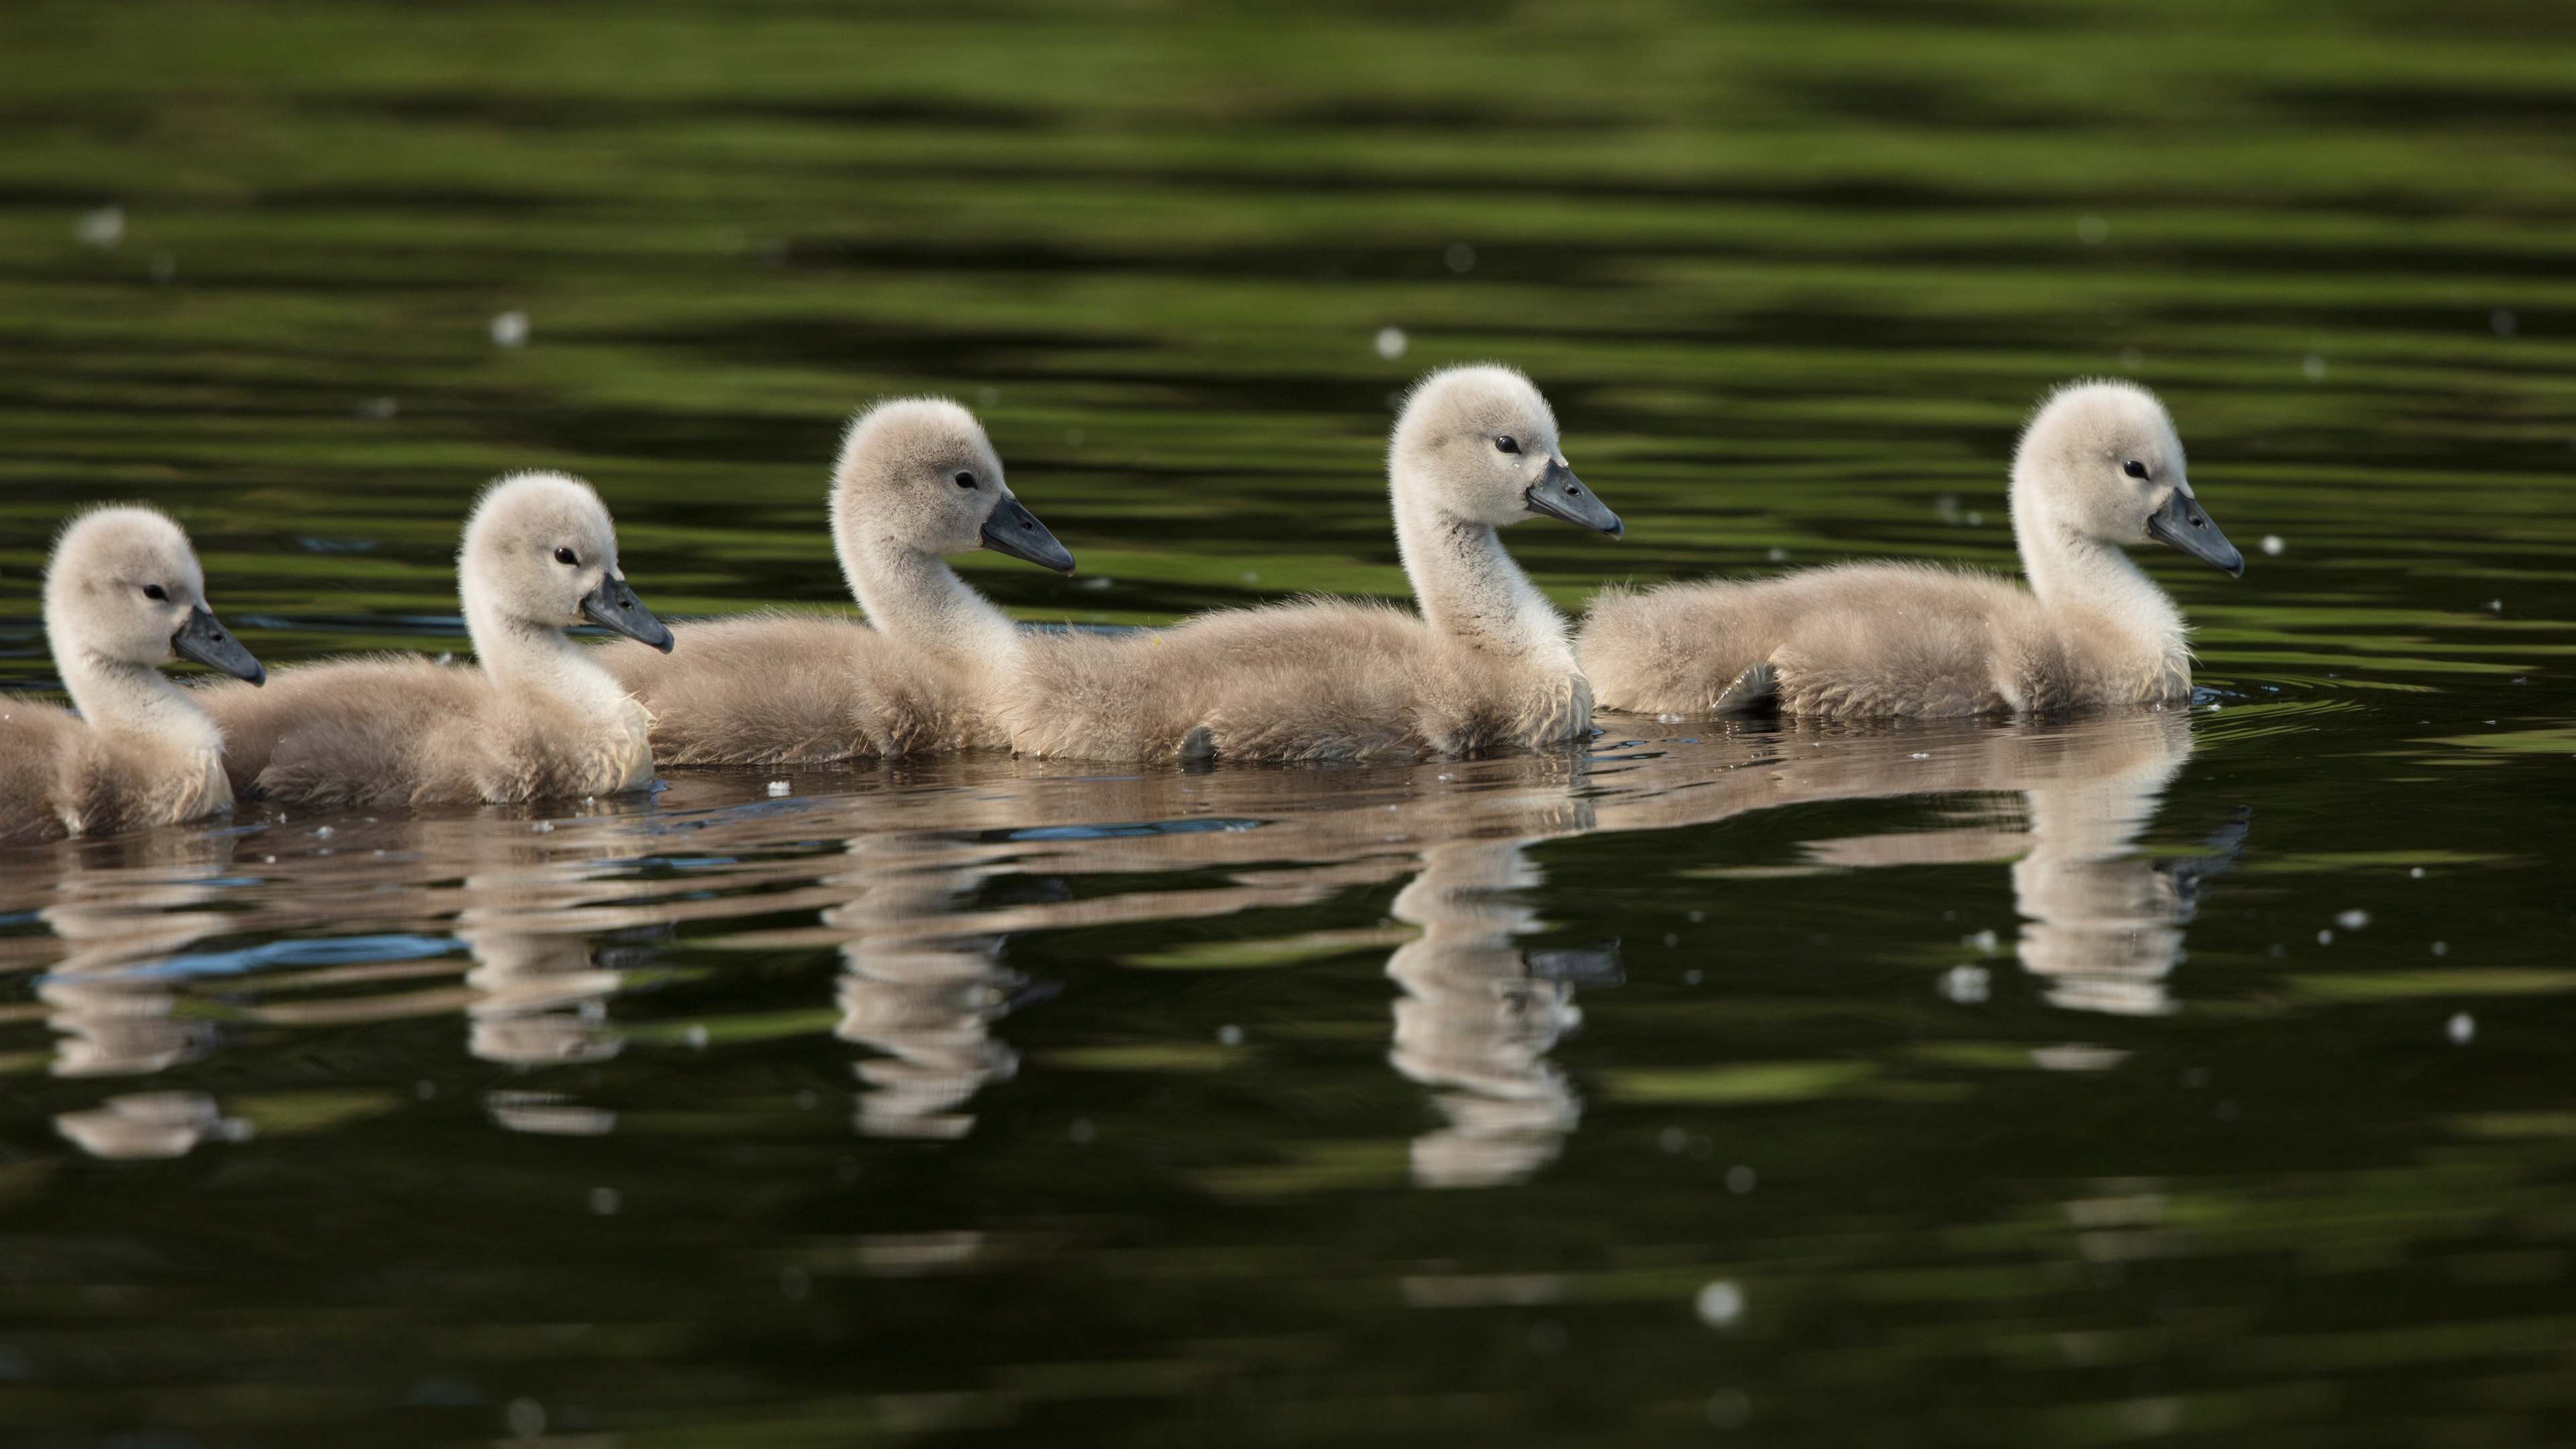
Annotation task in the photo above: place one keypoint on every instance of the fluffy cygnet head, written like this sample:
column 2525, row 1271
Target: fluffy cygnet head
column 917, row 474
column 1482, row 443
column 2100, row 460
column 540, row 551
column 124, row 587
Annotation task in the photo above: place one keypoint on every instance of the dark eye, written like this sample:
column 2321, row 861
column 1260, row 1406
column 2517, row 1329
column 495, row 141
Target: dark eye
column 155, row 591
column 1506, row 443
column 2134, row 468
column 965, row 480
column 567, row 556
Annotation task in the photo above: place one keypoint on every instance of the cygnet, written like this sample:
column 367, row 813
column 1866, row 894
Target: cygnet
column 123, row 594
column 538, row 718
column 2098, row 467
column 1485, row 666
column 917, row 480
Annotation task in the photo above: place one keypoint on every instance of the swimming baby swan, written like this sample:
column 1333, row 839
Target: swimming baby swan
column 917, row 480
column 123, row 593
column 2099, row 466
column 538, row 718
column 1485, row 666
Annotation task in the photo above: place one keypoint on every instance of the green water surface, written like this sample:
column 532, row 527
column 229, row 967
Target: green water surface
column 2191, row 1076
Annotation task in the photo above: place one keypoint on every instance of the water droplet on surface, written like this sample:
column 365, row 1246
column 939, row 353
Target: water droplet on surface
column 1390, row 343
column 1729, row 1409
column 2353, row 920
column 1965, row 984
column 1229, row 1035
column 1720, row 1304
column 103, row 228
column 2272, row 545
column 510, row 329
column 2462, row 1028
column 779, row 787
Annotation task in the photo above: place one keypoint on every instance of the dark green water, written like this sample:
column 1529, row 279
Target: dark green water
column 2198, row 1076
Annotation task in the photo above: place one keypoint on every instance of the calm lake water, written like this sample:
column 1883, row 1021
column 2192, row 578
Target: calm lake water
column 2198, row 1075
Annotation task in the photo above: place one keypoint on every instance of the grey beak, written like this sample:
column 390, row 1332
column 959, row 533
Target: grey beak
column 204, row 640
column 614, row 606
column 1559, row 494
column 1015, row 531
column 2181, row 524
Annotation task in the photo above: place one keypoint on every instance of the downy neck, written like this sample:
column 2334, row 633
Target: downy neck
column 915, row 597
column 1466, row 582
column 137, row 701
column 2074, row 573
column 521, row 655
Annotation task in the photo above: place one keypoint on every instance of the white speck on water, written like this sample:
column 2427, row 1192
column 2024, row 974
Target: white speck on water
column 1918, row 757
column 1096, row 582
column 526, row 1418
column 1390, row 343
column 1778, row 555
column 779, row 787
column 1981, row 941
column 424, row 1089
column 325, row 833
column 2500, row 321
column 1082, row 1132
column 1251, row 576
column 2325, row 938
column 695, row 1036
column 2353, row 920
column 1966, row 984
column 1659, row 719
column 510, row 329
column 2092, row 230
column 2272, row 545
column 1976, row 519
column 604, row 1201
column 1729, row 1409
column 1672, row 1140
column 1693, row 977
column 2314, row 367
column 2441, row 948
column 2416, row 874
column 103, row 228
column 1460, row 257
column 1229, row 1035
column 379, row 409
column 1740, row 1179
column 1720, row 1304
column 542, row 827
column 1695, row 917
column 2462, row 1028
column 1671, row 940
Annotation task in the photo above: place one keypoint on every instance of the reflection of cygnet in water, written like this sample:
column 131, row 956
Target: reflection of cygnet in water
column 146, row 1125
column 2103, row 923
column 1479, row 1015
column 532, row 921
column 111, row 920
column 917, row 989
